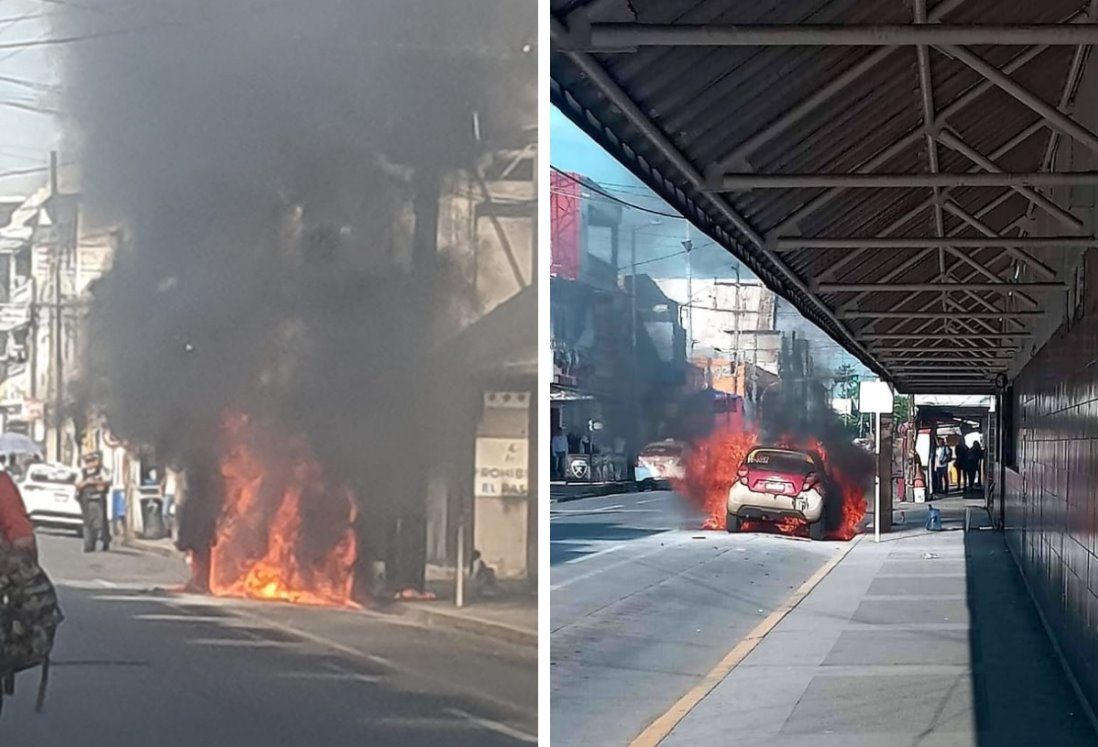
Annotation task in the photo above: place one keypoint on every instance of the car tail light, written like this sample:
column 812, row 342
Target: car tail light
column 810, row 481
column 742, row 475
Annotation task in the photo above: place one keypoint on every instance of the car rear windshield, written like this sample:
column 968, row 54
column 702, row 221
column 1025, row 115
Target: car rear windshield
column 662, row 450
column 780, row 461
column 59, row 476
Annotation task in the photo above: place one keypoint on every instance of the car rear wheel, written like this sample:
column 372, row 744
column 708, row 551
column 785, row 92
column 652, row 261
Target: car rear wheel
column 816, row 530
column 733, row 523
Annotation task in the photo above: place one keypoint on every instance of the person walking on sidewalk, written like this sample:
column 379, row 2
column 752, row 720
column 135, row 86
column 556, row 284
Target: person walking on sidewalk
column 942, row 457
column 92, row 492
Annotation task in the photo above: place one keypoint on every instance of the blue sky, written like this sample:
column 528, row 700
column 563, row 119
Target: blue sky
column 570, row 149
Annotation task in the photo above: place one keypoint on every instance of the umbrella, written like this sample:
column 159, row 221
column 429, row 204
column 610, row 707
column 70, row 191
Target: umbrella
column 17, row 443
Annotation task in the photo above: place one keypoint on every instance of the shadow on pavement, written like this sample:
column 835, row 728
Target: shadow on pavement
column 1019, row 687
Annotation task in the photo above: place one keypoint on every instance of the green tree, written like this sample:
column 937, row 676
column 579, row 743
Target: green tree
column 847, row 385
column 901, row 409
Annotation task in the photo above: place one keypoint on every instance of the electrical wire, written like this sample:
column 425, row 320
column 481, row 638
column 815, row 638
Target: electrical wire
column 593, row 188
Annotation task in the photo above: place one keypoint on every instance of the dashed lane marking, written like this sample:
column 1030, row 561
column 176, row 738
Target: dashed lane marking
column 494, row 726
column 605, row 551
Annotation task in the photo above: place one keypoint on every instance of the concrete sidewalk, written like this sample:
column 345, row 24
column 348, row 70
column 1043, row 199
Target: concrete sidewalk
column 510, row 616
column 926, row 639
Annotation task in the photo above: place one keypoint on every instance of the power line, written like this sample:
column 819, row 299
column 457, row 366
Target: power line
column 626, row 203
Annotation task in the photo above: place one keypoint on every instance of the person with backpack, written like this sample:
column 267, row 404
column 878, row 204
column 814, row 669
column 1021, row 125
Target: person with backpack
column 943, row 455
column 29, row 610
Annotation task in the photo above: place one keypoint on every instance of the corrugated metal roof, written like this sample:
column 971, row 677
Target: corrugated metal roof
column 707, row 101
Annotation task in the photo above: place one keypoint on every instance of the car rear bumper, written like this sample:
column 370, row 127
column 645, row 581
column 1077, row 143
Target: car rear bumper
column 748, row 504
column 55, row 518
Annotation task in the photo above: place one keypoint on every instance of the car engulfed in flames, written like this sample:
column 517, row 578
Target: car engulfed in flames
column 718, row 460
column 285, row 528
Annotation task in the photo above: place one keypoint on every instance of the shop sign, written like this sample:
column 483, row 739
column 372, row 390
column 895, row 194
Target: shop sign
column 502, row 467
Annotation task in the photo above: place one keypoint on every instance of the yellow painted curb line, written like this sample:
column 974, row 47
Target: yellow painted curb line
column 658, row 730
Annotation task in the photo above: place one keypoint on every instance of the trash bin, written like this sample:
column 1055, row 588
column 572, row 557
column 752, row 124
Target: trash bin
column 152, row 519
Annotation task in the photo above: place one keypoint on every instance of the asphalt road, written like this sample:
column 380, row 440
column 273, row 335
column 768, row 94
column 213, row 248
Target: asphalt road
column 644, row 604
column 138, row 664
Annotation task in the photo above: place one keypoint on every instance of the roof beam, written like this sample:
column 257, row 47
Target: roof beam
column 611, row 37
column 1050, row 113
column 897, row 147
column 916, row 336
column 1014, row 250
column 599, row 77
column 932, row 242
column 994, row 315
column 951, row 140
column 746, row 182
column 824, row 93
column 959, row 351
column 930, row 287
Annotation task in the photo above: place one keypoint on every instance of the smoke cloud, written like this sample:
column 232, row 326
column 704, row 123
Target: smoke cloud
column 265, row 160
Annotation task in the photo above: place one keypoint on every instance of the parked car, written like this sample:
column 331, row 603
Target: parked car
column 659, row 463
column 49, row 493
column 775, row 484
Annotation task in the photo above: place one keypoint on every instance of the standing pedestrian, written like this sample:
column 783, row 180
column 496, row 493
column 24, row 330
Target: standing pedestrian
column 975, row 463
column 560, row 453
column 960, row 457
column 942, row 457
column 92, row 492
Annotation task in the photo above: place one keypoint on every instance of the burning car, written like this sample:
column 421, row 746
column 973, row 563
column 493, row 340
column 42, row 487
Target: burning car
column 659, row 463
column 781, row 485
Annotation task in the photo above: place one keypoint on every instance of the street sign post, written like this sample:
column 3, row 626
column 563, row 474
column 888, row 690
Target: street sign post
column 876, row 397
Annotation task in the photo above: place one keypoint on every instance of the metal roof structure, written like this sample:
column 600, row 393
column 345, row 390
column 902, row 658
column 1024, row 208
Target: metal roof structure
column 889, row 167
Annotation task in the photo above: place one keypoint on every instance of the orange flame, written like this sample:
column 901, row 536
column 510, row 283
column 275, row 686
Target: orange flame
column 284, row 532
column 710, row 469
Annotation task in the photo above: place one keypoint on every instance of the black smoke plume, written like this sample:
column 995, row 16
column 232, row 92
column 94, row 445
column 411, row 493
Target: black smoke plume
column 263, row 160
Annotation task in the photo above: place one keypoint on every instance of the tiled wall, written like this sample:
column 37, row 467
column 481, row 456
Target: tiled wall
column 1052, row 497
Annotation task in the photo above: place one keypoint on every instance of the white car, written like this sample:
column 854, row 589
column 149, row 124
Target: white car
column 774, row 484
column 660, row 463
column 49, row 493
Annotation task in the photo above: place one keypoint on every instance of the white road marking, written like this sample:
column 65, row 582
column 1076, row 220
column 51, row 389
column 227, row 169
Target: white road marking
column 495, row 726
column 238, row 642
column 605, row 551
column 462, row 687
column 583, row 511
column 182, row 618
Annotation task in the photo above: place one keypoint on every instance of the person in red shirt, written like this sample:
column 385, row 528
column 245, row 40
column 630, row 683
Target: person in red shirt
column 15, row 526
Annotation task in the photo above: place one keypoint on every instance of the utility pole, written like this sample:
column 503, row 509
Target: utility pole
column 688, row 245
column 60, row 229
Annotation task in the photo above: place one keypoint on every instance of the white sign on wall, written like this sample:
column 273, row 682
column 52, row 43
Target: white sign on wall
column 875, row 396
column 502, row 467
